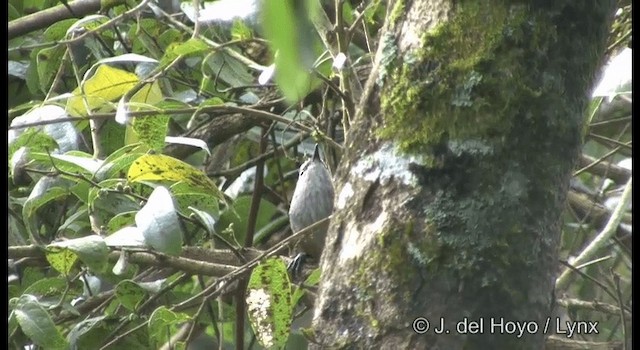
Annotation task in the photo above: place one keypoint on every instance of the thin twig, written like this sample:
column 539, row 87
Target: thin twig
column 107, row 24
column 220, row 109
column 590, row 278
column 283, row 194
column 123, row 335
column 248, row 62
column 610, row 141
column 602, row 237
column 215, row 289
column 252, row 162
column 616, row 281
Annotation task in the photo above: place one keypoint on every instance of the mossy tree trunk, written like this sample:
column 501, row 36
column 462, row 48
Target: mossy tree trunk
column 448, row 198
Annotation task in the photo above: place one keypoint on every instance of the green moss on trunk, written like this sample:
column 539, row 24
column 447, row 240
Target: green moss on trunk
column 468, row 80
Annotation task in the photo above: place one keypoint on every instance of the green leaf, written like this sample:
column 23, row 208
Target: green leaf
column 130, row 294
column 269, row 303
column 162, row 323
column 36, row 140
column 117, row 164
column 240, row 31
column 77, row 224
column 312, row 280
column 47, row 287
column 112, row 136
column 13, row 322
column 190, row 47
column 169, row 36
column 151, row 130
column 64, row 133
column 91, row 333
column 81, row 190
column 206, row 220
column 44, row 192
column 121, row 220
column 189, row 199
column 214, row 101
column 32, row 79
column 142, row 37
column 82, row 162
column 91, row 250
column 348, row 13
column 48, row 62
column 228, row 69
column 13, row 292
column 31, row 275
column 74, row 162
column 104, row 203
column 288, row 27
column 201, row 201
column 375, row 13
column 36, row 323
column 13, row 13
column 62, row 260
column 58, row 30
column 122, row 151
column 238, row 215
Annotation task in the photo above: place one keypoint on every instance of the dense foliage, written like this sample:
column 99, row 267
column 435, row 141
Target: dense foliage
column 149, row 151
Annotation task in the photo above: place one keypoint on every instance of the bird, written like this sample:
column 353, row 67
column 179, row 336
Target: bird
column 312, row 201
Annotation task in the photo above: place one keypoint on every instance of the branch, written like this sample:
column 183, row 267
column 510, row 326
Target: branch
column 603, row 168
column 593, row 306
column 559, row 343
column 247, row 111
column 602, row 238
column 43, row 19
column 597, row 213
column 190, row 266
column 194, row 260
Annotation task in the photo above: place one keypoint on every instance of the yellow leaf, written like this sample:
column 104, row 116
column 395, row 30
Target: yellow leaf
column 158, row 167
column 61, row 259
column 149, row 94
column 107, row 84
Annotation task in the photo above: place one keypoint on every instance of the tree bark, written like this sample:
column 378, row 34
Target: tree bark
column 455, row 172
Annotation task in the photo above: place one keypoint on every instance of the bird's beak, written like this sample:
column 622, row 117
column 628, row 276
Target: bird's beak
column 316, row 152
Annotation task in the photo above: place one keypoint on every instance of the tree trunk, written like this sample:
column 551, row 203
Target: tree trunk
column 449, row 195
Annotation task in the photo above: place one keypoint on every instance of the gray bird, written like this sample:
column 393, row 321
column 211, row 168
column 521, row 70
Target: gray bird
column 312, row 201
